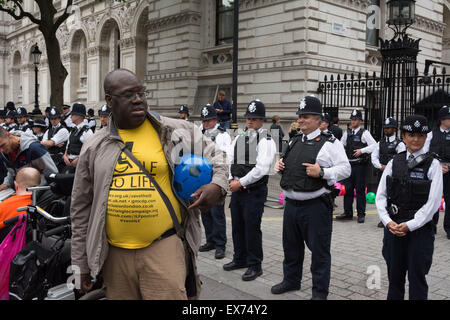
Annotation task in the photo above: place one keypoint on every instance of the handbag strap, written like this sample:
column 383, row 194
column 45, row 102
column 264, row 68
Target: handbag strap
column 178, row 228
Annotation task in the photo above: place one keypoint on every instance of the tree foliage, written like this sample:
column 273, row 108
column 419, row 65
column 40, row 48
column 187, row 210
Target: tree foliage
column 48, row 20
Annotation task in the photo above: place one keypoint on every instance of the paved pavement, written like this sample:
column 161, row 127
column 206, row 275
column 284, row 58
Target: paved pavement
column 356, row 261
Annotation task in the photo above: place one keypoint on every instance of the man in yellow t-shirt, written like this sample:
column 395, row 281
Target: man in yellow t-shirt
column 136, row 214
column 120, row 224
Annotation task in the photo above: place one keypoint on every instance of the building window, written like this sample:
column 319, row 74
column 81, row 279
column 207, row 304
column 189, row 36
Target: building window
column 224, row 21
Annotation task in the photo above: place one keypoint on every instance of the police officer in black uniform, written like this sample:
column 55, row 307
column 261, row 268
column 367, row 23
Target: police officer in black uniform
column 39, row 127
column 184, row 112
column 438, row 141
column 251, row 153
column 387, row 148
column 214, row 219
column 22, row 123
column 10, row 120
column 66, row 117
column 358, row 144
column 91, row 119
column 103, row 114
column 408, row 195
column 78, row 135
column 335, row 129
column 310, row 166
column 55, row 138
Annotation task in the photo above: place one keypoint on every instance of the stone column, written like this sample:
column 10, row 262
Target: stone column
column 95, row 92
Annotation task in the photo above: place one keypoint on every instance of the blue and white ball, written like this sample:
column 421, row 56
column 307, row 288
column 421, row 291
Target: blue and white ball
column 190, row 174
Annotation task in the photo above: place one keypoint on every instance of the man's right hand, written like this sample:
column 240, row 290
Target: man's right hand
column 279, row 166
column 86, row 283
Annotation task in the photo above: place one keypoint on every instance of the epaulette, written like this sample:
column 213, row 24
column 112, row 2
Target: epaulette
column 221, row 129
column 329, row 136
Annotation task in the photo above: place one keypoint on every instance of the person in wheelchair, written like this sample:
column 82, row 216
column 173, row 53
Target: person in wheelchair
column 26, row 177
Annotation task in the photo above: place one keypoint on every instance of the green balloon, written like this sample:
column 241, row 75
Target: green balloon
column 370, row 197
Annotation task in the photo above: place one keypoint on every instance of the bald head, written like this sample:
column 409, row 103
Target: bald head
column 113, row 79
column 28, row 177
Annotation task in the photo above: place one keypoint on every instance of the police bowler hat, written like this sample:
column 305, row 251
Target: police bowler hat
column 79, row 109
column 415, row 124
column 39, row 123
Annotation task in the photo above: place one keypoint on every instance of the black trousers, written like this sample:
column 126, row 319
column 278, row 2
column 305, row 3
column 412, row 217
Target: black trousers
column 215, row 226
column 308, row 222
column 357, row 180
column 246, row 213
column 410, row 254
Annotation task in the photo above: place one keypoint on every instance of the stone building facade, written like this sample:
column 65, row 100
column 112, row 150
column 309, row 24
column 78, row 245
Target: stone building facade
column 285, row 48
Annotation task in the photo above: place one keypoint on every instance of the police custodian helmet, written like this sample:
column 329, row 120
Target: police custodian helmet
column 208, row 112
column 255, row 110
column 310, row 105
column 390, row 123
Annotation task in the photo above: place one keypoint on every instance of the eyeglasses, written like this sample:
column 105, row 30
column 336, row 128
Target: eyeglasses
column 130, row 95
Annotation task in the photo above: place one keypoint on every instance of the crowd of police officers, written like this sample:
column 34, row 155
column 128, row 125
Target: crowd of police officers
column 63, row 134
column 413, row 173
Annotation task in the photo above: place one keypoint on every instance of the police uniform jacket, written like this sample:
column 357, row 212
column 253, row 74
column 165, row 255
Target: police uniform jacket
column 375, row 156
column 332, row 159
column 444, row 145
column 86, row 134
column 220, row 137
column 265, row 153
column 61, row 135
column 365, row 138
column 426, row 212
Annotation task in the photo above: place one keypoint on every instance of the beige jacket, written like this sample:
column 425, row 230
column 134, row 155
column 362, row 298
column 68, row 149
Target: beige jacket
column 94, row 175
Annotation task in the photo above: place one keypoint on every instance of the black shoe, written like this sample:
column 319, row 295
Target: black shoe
column 283, row 287
column 207, row 247
column 251, row 274
column 380, row 225
column 233, row 266
column 344, row 216
column 318, row 298
column 361, row 219
column 220, row 253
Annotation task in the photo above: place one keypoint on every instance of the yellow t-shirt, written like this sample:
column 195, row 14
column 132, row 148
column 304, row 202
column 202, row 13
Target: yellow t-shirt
column 136, row 214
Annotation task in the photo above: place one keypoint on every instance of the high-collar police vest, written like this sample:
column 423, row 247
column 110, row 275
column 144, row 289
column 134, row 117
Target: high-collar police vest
column 212, row 134
column 52, row 131
column 23, row 127
column 354, row 141
column 245, row 153
column 387, row 150
column 75, row 143
column 407, row 189
column 440, row 144
column 294, row 174
column 11, row 126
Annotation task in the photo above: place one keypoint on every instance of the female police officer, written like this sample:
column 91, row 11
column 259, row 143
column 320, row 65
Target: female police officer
column 408, row 195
